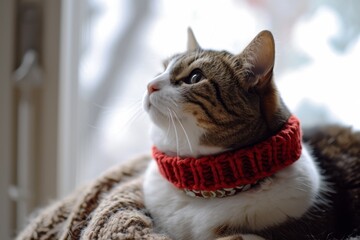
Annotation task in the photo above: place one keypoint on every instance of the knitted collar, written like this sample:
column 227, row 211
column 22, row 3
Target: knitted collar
column 209, row 176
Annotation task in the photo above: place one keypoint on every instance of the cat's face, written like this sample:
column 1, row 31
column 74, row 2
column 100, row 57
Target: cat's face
column 210, row 101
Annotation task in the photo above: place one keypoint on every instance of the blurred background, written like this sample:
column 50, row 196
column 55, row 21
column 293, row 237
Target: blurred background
column 73, row 73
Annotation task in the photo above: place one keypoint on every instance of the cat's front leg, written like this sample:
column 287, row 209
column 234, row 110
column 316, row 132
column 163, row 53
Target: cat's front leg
column 242, row 237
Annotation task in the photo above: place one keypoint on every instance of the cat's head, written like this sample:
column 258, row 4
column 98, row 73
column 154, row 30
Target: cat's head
column 209, row 101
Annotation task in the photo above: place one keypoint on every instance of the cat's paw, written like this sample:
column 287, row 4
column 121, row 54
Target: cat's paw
column 242, row 237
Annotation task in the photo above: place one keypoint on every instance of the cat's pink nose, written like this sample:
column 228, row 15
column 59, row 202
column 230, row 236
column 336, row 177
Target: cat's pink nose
column 152, row 87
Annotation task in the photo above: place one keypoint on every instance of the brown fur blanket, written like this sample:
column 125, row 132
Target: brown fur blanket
column 112, row 206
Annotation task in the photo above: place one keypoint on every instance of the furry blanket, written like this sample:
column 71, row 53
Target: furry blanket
column 112, row 206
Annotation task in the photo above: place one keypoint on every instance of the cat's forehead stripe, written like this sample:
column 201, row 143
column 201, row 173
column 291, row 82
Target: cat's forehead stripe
column 181, row 64
column 186, row 60
column 171, row 64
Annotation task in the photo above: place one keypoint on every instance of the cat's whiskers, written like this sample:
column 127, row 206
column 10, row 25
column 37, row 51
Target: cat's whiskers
column 300, row 189
column 172, row 100
column 106, row 110
column 185, row 133
column 176, row 133
column 169, row 125
column 138, row 111
column 123, row 117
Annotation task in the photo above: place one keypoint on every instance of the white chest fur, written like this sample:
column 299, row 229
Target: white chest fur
column 291, row 193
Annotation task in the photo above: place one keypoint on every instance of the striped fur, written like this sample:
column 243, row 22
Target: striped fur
column 234, row 105
column 206, row 102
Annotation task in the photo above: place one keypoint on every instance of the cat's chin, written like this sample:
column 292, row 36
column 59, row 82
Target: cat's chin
column 156, row 116
column 167, row 142
column 146, row 103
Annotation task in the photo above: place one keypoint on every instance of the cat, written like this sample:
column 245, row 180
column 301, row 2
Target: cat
column 214, row 106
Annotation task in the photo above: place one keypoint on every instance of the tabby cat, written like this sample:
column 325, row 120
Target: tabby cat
column 228, row 158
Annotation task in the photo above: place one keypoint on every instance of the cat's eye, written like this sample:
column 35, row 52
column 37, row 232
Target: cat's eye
column 194, row 77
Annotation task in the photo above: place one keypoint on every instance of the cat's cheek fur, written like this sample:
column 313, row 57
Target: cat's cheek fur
column 292, row 192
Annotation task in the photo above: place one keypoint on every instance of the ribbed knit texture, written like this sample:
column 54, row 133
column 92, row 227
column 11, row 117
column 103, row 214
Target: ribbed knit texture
column 233, row 168
column 112, row 207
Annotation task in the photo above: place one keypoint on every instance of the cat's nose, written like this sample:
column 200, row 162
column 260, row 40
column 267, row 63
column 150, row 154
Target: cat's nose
column 153, row 87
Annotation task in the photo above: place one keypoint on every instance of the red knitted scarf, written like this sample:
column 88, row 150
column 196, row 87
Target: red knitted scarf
column 233, row 168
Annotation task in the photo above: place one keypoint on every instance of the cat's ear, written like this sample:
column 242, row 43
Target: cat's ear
column 258, row 60
column 192, row 44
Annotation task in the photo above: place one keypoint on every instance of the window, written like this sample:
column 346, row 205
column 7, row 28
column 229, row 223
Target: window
column 96, row 57
column 123, row 42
